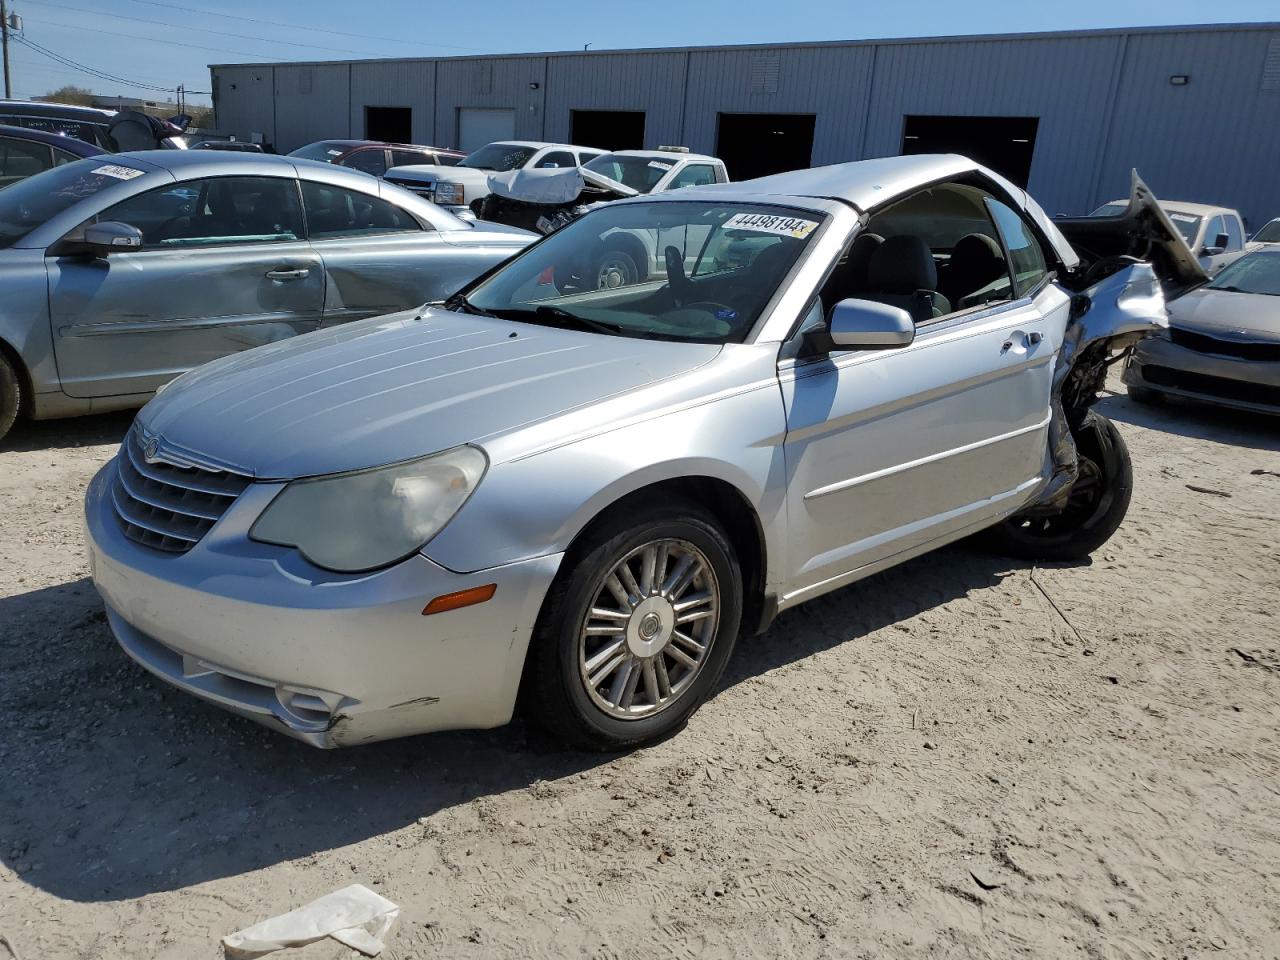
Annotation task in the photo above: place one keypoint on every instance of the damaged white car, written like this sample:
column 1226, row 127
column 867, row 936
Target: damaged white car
column 579, row 500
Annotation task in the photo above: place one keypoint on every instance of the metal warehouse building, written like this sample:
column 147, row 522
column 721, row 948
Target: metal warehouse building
column 1195, row 109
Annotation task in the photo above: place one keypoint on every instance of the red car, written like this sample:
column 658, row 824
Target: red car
column 374, row 156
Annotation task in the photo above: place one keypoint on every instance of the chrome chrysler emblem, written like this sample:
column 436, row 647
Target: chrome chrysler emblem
column 150, row 451
column 650, row 626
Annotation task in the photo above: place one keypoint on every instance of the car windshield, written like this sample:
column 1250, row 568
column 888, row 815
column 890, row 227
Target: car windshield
column 30, row 202
column 1256, row 273
column 689, row 271
column 499, row 157
column 1188, row 224
column 326, row 151
column 639, row 173
column 1269, row 233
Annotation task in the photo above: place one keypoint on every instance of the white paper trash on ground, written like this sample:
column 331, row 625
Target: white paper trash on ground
column 354, row 915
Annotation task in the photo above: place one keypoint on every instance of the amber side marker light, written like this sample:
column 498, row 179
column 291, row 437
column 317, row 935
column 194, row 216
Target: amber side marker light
column 463, row 598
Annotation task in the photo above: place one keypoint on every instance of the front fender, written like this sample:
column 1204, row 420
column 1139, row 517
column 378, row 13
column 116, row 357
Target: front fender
column 534, row 505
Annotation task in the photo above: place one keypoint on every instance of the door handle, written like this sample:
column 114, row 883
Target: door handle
column 288, row 273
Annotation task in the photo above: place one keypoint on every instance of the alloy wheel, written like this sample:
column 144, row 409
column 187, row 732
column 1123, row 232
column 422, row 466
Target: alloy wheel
column 649, row 629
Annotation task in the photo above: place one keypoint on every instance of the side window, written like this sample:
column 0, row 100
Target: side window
column 337, row 212
column 694, row 175
column 368, row 161
column 932, row 253
column 61, row 156
column 586, row 156
column 1029, row 267
column 557, row 158
column 21, row 158
column 219, row 210
column 403, row 158
column 446, row 160
column 1235, row 234
column 1211, row 231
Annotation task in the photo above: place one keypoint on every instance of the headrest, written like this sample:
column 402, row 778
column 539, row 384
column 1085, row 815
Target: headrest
column 979, row 253
column 903, row 264
column 858, row 264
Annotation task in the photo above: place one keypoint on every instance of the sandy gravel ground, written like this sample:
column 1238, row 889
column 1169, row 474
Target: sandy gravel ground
column 963, row 757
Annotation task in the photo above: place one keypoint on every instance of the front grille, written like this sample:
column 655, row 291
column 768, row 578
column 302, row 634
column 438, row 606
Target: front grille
column 166, row 507
column 1221, row 387
column 1241, row 349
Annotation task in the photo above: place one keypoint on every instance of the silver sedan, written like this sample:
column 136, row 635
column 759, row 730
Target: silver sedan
column 121, row 272
column 1223, row 342
column 583, row 496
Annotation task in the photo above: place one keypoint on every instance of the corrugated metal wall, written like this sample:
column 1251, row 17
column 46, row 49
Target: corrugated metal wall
column 652, row 82
column 1103, row 100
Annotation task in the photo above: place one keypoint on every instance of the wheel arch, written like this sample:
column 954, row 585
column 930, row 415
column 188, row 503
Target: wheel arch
column 26, row 387
column 737, row 517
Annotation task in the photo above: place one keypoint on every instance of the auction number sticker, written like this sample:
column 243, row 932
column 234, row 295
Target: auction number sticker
column 768, row 223
column 659, row 165
column 1183, row 217
column 117, row 171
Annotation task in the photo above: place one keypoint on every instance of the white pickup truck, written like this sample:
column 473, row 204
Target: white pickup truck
column 460, row 189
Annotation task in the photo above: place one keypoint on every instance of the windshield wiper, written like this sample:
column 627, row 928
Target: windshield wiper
column 559, row 317
column 459, row 302
column 1230, row 288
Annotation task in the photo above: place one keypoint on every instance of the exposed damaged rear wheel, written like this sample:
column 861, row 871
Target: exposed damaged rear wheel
column 1095, row 507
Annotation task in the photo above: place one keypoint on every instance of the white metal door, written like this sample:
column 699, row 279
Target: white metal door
column 477, row 126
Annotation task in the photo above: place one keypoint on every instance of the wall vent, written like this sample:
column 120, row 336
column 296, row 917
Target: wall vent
column 764, row 73
column 1271, row 66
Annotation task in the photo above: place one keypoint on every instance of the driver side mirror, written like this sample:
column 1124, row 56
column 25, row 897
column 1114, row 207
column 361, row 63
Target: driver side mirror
column 868, row 325
column 1219, row 246
column 111, row 236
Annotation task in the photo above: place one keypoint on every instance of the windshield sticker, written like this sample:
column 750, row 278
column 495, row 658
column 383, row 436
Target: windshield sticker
column 766, row 223
column 1184, row 217
column 659, row 165
column 334, row 153
column 117, row 171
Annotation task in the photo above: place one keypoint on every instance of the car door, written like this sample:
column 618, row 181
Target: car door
column 224, row 266
column 378, row 258
column 1214, row 230
column 888, row 451
column 370, row 160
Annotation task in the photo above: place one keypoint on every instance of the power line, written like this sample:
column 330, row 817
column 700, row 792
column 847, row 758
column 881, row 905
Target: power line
column 183, row 26
column 134, row 36
column 296, row 26
column 90, row 71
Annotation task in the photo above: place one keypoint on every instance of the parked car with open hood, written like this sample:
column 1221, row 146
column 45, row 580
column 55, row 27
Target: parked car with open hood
column 585, row 497
column 1223, row 341
column 1214, row 234
column 461, row 187
column 121, row 272
column 25, row 152
column 376, row 157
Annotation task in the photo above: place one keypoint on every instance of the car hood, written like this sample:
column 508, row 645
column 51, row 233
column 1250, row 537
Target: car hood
column 426, row 173
column 1228, row 315
column 1143, row 230
column 397, row 387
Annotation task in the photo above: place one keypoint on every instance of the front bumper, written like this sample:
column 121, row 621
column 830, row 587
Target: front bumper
column 331, row 660
column 1166, row 367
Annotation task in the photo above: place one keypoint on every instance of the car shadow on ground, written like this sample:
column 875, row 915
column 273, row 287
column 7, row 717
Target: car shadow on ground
column 1199, row 421
column 118, row 786
column 29, row 435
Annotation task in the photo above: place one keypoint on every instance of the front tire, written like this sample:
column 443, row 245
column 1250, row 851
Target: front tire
column 10, row 395
column 1096, row 506
column 637, row 630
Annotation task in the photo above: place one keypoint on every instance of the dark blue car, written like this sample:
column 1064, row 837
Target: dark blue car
column 24, row 152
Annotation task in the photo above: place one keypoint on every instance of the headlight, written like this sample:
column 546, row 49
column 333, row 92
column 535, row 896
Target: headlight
column 354, row 522
column 450, row 194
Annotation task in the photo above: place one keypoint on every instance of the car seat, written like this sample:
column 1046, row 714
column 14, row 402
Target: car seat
column 975, row 261
column 902, row 274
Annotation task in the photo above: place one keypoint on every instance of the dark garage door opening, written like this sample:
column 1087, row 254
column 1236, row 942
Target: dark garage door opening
column 392, row 124
column 1004, row 144
column 607, row 129
column 758, row 144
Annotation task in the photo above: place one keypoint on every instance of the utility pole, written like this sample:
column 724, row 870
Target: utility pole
column 4, row 42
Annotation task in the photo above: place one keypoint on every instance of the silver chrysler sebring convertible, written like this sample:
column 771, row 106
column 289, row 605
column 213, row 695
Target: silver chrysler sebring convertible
column 578, row 497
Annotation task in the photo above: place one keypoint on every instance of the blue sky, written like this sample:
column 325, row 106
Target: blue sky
column 162, row 43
